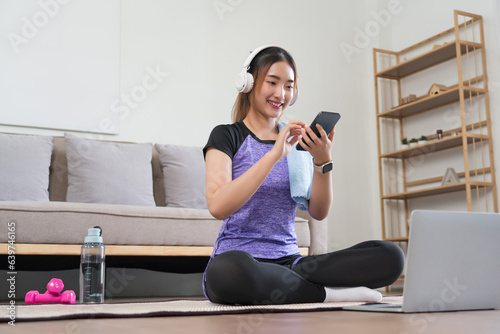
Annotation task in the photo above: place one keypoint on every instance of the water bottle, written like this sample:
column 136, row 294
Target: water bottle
column 92, row 268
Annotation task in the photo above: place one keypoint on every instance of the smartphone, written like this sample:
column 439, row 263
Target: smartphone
column 327, row 120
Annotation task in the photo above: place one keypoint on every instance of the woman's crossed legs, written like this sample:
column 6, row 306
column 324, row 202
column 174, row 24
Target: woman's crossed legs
column 235, row 277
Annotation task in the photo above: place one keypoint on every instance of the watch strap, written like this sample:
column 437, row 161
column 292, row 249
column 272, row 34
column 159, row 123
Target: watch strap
column 324, row 168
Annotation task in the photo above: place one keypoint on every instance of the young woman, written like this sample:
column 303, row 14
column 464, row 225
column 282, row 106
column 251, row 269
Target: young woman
column 256, row 259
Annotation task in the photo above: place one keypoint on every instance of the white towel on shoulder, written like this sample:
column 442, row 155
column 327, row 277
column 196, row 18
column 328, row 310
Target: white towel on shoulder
column 300, row 170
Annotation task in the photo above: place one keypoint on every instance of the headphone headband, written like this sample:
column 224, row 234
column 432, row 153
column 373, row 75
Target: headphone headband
column 254, row 53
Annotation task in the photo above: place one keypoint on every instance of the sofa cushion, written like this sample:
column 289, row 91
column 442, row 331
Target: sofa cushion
column 121, row 224
column 109, row 172
column 183, row 176
column 24, row 167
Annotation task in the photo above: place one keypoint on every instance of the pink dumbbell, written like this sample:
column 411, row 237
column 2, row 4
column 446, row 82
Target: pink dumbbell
column 53, row 294
column 55, row 286
column 35, row 297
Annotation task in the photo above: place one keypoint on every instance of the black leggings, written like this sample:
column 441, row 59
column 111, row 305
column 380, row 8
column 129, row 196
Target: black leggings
column 235, row 277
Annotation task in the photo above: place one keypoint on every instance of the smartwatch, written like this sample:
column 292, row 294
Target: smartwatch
column 324, row 168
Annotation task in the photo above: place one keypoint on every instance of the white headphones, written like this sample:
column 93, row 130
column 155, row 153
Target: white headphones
column 245, row 80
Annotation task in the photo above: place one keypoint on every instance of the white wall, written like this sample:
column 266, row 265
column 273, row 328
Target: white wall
column 186, row 54
column 52, row 51
column 418, row 21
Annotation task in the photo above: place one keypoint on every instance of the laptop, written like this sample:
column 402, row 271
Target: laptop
column 453, row 263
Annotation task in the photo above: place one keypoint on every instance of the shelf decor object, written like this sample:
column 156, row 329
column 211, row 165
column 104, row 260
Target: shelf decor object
column 467, row 141
column 450, row 177
column 437, row 89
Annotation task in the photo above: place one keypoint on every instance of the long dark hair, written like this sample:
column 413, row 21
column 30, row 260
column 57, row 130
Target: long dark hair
column 259, row 66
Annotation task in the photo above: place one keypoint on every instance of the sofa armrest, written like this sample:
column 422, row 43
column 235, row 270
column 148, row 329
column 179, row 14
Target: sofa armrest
column 319, row 233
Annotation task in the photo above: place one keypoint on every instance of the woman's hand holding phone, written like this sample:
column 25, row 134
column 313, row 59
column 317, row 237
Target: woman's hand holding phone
column 318, row 147
column 327, row 121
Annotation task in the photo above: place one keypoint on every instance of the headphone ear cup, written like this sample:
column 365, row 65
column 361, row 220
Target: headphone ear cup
column 295, row 96
column 244, row 81
column 240, row 81
column 249, row 82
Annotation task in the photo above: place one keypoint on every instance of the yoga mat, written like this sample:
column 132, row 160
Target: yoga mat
column 40, row 312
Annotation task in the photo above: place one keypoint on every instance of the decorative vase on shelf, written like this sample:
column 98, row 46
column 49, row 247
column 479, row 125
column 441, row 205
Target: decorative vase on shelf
column 404, row 143
column 422, row 140
column 413, row 142
column 439, row 134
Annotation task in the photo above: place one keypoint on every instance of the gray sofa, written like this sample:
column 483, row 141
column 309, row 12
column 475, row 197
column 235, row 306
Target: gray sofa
column 58, row 227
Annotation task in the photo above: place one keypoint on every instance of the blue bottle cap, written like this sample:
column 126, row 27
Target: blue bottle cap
column 94, row 235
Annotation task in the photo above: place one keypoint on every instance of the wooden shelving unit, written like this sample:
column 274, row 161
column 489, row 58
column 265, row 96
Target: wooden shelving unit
column 436, row 191
column 430, row 102
column 428, row 59
column 434, row 146
column 464, row 45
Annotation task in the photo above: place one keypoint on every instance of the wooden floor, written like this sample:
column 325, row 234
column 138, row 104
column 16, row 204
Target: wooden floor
column 290, row 323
